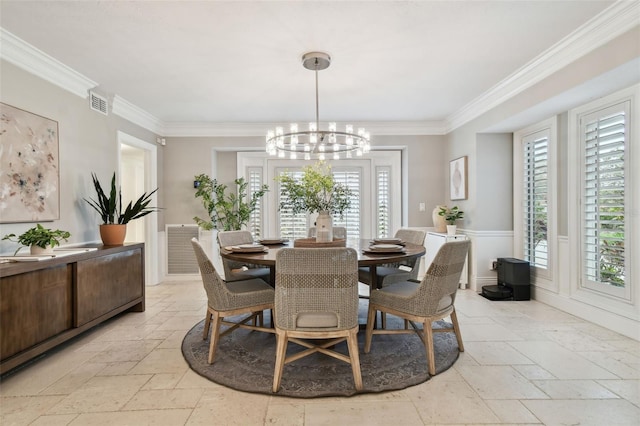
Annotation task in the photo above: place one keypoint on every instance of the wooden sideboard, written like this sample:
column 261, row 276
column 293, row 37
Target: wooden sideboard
column 45, row 303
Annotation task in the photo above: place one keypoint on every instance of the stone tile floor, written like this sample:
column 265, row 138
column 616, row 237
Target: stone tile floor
column 525, row 363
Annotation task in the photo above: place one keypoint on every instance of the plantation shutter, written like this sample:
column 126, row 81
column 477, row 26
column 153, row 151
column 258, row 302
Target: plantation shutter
column 603, row 215
column 351, row 218
column 536, row 193
column 383, row 202
column 291, row 226
column 255, row 184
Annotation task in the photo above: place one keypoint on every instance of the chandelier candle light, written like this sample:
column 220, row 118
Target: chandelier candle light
column 316, row 143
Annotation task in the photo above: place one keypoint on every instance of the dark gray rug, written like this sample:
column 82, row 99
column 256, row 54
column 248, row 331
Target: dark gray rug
column 245, row 361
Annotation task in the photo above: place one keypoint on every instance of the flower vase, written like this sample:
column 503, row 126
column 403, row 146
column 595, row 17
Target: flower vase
column 37, row 250
column 324, row 227
column 438, row 221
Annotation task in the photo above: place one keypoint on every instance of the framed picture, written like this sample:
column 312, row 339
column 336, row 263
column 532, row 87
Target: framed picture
column 458, row 178
column 30, row 178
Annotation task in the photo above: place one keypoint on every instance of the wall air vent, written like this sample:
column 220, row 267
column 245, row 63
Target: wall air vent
column 181, row 258
column 98, row 103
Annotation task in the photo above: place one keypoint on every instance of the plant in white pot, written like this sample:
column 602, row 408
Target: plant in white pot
column 114, row 220
column 316, row 192
column 41, row 240
column 451, row 215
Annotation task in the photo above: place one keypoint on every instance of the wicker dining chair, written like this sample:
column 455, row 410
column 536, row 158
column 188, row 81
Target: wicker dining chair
column 250, row 296
column 426, row 301
column 396, row 272
column 238, row 271
column 316, row 298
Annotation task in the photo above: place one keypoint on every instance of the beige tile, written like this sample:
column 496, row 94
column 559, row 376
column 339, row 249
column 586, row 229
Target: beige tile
column 577, row 341
column 511, row 411
column 181, row 323
column 362, row 413
column 285, row 414
column 22, row 410
column 487, row 333
column 74, row 379
column 173, row 340
column 533, row 372
column 117, row 368
column 164, row 398
column 108, row 393
column 132, row 350
column 561, row 362
column 622, row 364
column 162, row 361
column 54, row 420
column 190, row 379
column 450, row 402
column 574, row 389
column 597, row 412
column 135, row 418
column 500, row 382
column 229, row 408
column 627, row 389
column 163, row 381
column 495, row 353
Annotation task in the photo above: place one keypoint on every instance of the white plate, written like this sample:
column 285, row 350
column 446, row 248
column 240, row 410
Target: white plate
column 273, row 241
column 388, row 241
column 247, row 248
column 384, row 248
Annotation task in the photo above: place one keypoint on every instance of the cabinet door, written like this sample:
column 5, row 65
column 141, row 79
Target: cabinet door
column 108, row 282
column 34, row 307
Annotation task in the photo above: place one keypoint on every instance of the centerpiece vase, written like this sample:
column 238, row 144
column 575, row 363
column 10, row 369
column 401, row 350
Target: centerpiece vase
column 324, row 227
column 438, row 221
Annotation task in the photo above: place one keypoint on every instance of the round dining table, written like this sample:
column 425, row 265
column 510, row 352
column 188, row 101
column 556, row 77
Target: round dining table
column 365, row 258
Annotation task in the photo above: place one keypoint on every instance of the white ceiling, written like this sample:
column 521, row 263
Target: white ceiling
column 239, row 61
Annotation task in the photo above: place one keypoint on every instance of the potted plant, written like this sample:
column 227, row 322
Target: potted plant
column 451, row 215
column 316, row 191
column 41, row 240
column 228, row 211
column 114, row 221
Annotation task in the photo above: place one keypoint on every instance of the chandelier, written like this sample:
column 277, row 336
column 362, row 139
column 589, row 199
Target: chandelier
column 317, row 143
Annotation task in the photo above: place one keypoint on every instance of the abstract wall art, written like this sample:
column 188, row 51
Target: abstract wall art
column 29, row 167
column 458, row 178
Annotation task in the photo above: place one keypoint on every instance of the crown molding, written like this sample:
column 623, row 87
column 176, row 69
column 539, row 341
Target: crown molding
column 136, row 115
column 614, row 21
column 203, row 129
column 35, row 61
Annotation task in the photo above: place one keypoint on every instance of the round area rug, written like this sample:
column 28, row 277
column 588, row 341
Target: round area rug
column 245, row 361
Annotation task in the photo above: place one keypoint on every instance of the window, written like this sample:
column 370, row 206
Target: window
column 254, row 185
column 383, row 192
column 604, row 208
column 535, row 190
column 291, row 225
column 374, row 180
column 534, row 199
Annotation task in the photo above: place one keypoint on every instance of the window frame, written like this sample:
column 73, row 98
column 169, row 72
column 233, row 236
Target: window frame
column 619, row 299
column 543, row 277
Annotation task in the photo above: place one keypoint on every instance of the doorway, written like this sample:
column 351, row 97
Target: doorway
column 138, row 163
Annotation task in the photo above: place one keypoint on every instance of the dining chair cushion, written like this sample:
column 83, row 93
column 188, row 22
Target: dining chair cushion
column 386, row 275
column 246, row 286
column 250, row 273
column 310, row 320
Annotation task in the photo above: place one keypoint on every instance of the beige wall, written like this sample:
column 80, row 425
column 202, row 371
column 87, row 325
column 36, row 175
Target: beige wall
column 87, row 143
column 187, row 157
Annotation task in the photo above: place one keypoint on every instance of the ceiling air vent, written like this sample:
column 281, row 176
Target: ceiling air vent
column 98, row 103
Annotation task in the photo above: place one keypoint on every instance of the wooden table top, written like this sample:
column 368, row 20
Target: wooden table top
column 268, row 258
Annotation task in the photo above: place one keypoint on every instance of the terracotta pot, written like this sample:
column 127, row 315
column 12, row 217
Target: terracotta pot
column 113, row 235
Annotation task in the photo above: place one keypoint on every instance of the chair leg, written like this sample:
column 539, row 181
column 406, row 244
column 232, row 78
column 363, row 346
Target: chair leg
column 456, row 329
column 428, row 345
column 383, row 320
column 281, row 349
column 352, row 343
column 369, row 332
column 207, row 325
column 215, row 335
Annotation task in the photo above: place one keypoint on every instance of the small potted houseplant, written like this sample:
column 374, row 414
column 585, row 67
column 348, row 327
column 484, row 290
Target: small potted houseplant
column 228, row 211
column 114, row 220
column 451, row 215
column 41, row 240
column 316, row 191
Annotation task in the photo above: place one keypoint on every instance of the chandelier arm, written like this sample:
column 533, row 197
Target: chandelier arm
column 317, row 101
